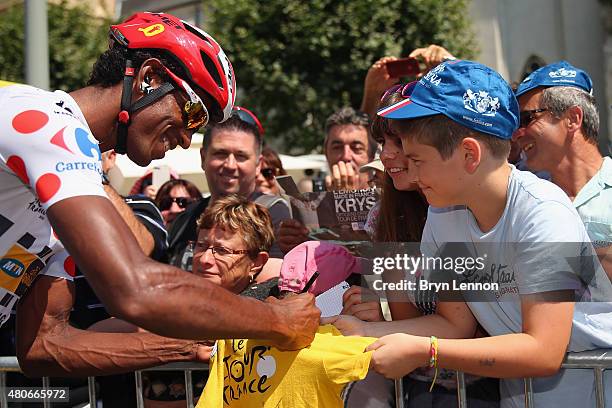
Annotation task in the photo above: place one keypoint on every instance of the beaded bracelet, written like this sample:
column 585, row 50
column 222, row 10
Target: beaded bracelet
column 433, row 358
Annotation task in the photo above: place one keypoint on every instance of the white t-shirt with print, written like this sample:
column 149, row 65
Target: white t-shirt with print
column 47, row 154
column 519, row 256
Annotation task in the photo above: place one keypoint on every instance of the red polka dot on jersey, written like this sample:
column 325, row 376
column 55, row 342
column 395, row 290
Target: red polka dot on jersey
column 16, row 164
column 46, row 186
column 69, row 266
column 30, row 121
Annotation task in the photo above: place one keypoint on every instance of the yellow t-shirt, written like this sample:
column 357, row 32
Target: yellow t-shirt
column 248, row 373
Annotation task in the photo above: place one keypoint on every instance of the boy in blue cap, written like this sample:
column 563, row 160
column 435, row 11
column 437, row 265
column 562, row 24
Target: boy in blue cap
column 558, row 133
column 456, row 127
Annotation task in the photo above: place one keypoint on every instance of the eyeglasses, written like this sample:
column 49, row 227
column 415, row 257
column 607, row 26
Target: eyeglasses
column 195, row 114
column 249, row 117
column 403, row 89
column 528, row 116
column 182, row 202
column 203, row 246
column 269, row 173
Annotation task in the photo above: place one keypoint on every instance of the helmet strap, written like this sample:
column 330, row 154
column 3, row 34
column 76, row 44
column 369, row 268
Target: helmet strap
column 124, row 117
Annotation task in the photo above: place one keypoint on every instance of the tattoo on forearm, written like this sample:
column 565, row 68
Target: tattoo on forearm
column 489, row 362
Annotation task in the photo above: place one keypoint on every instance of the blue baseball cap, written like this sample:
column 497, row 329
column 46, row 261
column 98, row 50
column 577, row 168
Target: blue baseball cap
column 466, row 92
column 560, row 73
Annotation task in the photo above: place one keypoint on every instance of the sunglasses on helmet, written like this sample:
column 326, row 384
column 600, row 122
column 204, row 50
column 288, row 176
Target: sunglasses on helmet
column 403, row 89
column 182, row 202
column 195, row 114
column 249, row 117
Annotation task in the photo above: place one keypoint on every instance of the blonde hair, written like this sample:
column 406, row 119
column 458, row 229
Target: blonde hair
column 239, row 215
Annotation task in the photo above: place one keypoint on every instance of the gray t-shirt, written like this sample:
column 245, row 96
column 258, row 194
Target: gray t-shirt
column 538, row 245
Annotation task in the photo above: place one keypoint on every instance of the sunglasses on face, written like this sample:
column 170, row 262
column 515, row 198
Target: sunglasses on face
column 268, row 173
column 249, row 117
column 182, row 202
column 528, row 116
column 403, row 89
column 195, row 114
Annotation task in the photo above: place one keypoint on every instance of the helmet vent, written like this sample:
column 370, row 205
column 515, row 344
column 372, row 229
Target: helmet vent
column 195, row 31
column 212, row 69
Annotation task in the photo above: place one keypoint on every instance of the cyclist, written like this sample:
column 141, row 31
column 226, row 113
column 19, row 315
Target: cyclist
column 160, row 80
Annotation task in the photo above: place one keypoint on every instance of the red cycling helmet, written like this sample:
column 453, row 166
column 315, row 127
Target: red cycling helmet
column 203, row 59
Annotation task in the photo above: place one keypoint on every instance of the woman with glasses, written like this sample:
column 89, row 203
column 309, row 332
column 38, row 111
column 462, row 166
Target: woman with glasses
column 234, row 237
column 174, row 196
column 271, row 166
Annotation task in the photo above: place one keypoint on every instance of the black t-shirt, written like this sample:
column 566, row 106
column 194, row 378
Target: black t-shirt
column 184, row 229
column 87, row 307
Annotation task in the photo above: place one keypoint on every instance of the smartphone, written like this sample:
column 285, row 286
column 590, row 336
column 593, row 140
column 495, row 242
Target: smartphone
column 403, row 67
column 318, row 185
column 161, row 174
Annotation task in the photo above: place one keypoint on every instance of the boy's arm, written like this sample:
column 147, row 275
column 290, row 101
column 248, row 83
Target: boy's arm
column 537, row 351
column 452, row 320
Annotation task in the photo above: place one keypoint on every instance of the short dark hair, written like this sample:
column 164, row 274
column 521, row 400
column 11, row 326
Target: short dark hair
column 166, row 188
column 445, row 135
column 234, row 123
column 109, row 69
column 347, row 116
column 350, row 116
column 272, row 159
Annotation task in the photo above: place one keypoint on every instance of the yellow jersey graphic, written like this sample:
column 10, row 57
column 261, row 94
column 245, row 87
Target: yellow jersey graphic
column 249, row 373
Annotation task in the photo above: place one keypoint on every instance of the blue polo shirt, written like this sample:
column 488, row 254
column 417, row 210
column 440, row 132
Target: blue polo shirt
column 594, row 205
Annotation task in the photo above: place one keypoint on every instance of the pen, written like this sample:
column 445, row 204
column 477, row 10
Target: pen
column 310, row 282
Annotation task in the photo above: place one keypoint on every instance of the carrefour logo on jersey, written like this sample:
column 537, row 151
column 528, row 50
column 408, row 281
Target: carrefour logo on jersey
column 87, row 147
column 83, row 139
column 61, row 167
column 11, row 267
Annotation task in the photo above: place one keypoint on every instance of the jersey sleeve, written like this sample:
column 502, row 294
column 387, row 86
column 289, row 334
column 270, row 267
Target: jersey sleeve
column 49, row 149
column 345, row 359
column 428, row 245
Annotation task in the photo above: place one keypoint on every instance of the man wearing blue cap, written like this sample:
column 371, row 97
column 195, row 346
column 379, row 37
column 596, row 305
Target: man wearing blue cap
column 558, row 133
column 521, row 234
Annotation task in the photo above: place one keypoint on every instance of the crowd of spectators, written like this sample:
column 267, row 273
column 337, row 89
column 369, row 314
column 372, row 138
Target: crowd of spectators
column 437, row 152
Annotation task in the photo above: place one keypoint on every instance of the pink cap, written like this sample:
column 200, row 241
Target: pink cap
column 333, row 262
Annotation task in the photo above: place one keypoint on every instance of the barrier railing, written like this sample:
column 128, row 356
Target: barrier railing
column 596, row 360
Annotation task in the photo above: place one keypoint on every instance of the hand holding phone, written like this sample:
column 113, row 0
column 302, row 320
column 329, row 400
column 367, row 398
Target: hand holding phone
column 403, row 67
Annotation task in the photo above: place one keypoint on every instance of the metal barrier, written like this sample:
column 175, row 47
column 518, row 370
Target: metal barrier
column 597, row 360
